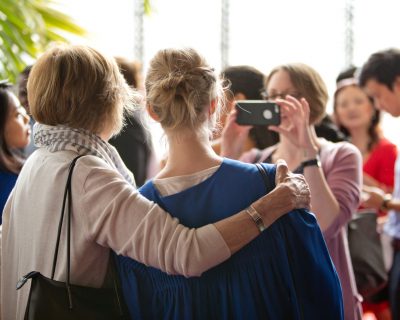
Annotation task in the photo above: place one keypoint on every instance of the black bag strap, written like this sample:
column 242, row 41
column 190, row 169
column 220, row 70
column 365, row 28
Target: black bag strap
column 269, row 183
column 270, row 186
column 60, row 223
column 68, row 194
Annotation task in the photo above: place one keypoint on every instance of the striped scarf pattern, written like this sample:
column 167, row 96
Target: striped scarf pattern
column 83, row 142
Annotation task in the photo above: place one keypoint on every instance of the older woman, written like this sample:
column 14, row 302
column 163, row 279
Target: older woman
column 78, row 97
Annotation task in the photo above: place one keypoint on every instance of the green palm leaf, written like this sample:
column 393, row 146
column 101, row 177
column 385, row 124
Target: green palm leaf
column 26, row 29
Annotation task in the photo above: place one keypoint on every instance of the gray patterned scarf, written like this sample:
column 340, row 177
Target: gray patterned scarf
column 58, row 138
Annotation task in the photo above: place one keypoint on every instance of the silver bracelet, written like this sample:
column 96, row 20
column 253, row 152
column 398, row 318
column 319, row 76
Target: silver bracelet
column 256, row 218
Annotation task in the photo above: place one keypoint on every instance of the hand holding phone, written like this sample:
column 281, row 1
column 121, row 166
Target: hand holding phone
column 257, row 112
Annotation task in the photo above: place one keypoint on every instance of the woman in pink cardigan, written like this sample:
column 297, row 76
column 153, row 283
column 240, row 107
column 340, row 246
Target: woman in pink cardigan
column 333, row 170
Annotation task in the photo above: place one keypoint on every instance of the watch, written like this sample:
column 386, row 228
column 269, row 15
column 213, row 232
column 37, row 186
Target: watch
column 312, row 162
column 387, row 197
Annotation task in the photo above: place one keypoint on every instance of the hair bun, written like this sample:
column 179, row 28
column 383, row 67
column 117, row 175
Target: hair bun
column 172, row 81
column 180, row 87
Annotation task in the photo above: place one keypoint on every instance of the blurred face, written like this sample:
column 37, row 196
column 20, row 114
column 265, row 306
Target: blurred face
column 279, row 86
column 384, row 98
column 353, row 108
column 17, row 129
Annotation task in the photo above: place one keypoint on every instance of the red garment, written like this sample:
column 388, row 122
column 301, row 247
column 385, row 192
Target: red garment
column 375, row 308
column 380, row 163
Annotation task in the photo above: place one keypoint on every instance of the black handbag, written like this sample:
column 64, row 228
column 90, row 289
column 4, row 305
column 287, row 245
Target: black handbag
column 366, row 254
column 50, row 299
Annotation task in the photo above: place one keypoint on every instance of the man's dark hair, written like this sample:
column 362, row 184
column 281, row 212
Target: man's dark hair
column 244, row 79
column 383, row 67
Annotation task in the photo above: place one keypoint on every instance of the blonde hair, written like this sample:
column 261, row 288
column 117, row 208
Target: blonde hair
column 180, row 87
column 78, row 87
column 309, row 84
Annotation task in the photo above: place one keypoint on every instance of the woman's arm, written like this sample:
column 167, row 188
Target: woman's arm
column 323, row 201
column 342, row 167
column 334, row 198
column 291, row 192
column 118, row 217
column 370, row 181
column 335, row 188
column 376, row 198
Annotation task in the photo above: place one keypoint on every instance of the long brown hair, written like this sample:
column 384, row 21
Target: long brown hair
column 374, row 130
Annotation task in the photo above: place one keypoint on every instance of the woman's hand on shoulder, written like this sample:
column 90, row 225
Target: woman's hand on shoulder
column 294, row 185
column 291, row 192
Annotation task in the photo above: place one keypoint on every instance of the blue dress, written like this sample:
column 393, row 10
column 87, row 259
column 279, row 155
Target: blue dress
column 285, row 273
column 7, row 183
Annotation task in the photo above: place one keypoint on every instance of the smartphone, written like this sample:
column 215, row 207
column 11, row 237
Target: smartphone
column 257, row 112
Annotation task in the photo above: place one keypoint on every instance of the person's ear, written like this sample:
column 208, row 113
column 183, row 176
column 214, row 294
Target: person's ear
column 151, row 113
column 213, row 107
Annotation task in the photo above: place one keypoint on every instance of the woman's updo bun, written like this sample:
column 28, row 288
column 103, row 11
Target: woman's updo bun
column 179, row 87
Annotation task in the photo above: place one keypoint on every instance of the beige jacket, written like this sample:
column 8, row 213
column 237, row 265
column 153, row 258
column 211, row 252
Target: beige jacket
column 107, row 213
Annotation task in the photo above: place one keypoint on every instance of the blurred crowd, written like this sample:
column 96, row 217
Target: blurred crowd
column 324, row 175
